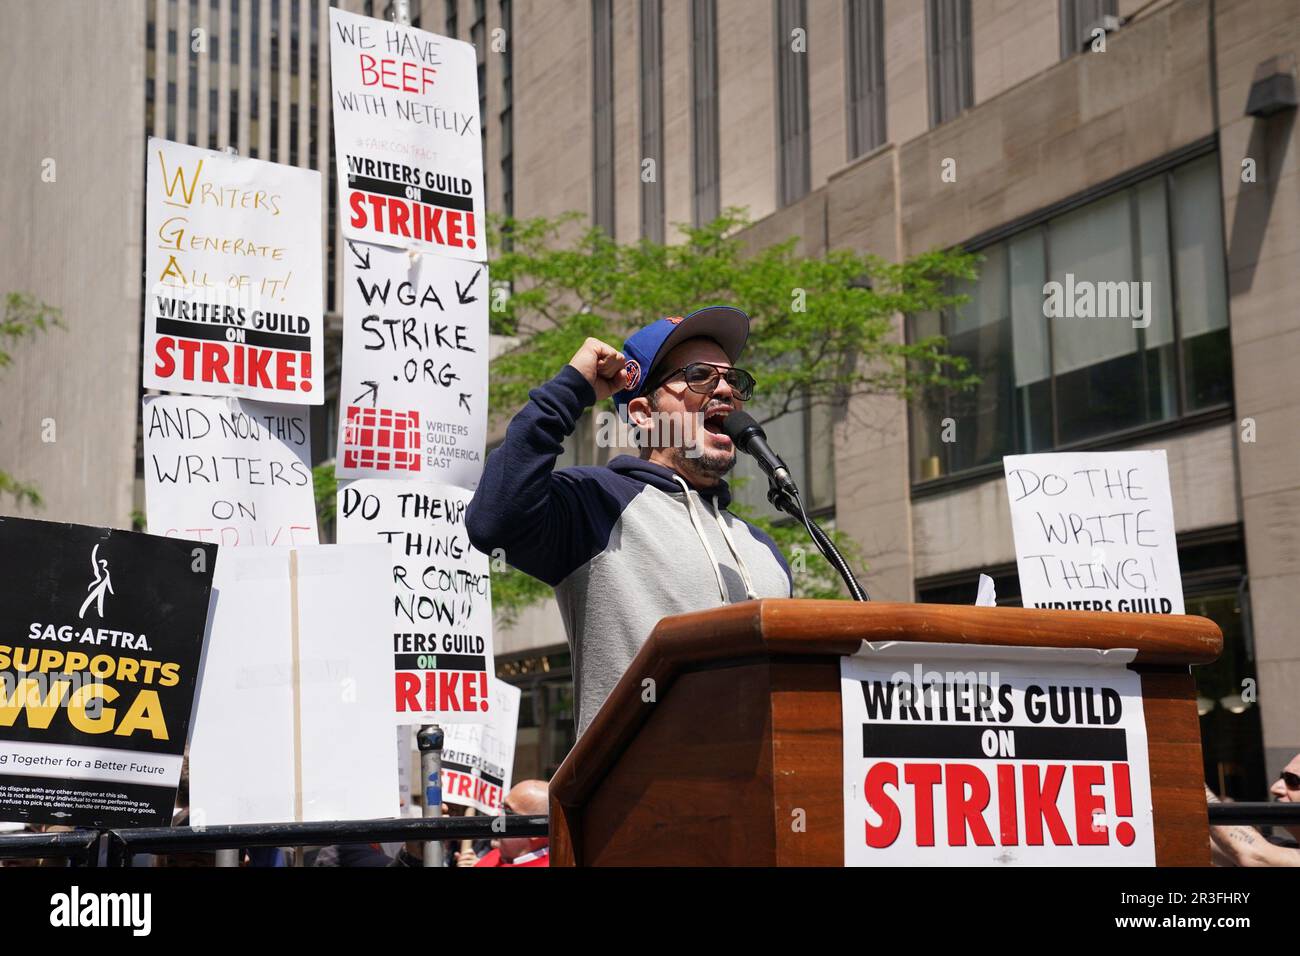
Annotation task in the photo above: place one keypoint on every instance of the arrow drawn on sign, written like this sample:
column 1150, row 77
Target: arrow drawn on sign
column 465, row 404
column 461, row 294
column 363, row 262
column 372, row 391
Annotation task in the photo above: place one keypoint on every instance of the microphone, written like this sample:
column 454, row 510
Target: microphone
column 750, row 438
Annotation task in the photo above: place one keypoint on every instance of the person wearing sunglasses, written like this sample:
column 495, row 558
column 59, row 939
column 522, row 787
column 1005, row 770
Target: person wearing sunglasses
column 1247, row 846
column 647, row 535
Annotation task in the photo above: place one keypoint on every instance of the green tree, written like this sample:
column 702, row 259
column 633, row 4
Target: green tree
column 24, row 316
column 823, row 329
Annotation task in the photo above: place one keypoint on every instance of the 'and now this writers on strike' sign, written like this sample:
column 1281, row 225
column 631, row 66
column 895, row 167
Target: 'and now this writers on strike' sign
column 406, row 134
column 234, row 472
column 233, row 269
column 415, row 367
column 440, row 630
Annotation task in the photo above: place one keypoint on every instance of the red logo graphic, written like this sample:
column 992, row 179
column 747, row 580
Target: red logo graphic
column 633, row 371
column 382, row 439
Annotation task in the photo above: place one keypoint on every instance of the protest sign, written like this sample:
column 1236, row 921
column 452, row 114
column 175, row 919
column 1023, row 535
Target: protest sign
column 1094, row 531
column 293, row 716
column 478, row 759
column 414, row 384
column 233, row 272
column 97, row 671
column 956, row 755
column 438, row 623
column 230, row 471
column 406, row 136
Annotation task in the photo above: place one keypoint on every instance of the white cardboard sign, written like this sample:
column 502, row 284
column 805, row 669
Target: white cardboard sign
column 237, row 473
column 233, row 269
column 478, row 759
column 990, row 756
column 406, row 134
column 414, row 384
column 293, row 717
column 1094, row 531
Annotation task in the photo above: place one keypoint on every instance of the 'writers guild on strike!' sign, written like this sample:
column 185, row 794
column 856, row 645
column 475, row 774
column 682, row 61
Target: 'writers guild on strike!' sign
column 983, row 756
column 440, row 629
column 414, row 379
column 406, row 134
column 233, row 270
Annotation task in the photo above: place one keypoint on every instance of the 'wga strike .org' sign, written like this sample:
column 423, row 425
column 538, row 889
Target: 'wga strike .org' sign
column 97, row 671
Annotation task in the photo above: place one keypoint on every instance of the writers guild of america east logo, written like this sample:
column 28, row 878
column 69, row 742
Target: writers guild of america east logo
column 101, row 583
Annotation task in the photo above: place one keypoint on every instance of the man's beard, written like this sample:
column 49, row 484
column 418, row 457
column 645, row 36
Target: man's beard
column 709, row 464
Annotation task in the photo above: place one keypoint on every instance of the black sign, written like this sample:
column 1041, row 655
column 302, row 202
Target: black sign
column 101, row 633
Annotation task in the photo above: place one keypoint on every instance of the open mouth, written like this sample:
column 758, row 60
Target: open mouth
column 715, row 418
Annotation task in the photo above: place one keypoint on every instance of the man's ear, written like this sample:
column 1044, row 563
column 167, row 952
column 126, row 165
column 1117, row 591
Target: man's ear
column 638, row 411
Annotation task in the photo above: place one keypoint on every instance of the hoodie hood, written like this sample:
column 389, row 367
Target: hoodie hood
column 665, row 479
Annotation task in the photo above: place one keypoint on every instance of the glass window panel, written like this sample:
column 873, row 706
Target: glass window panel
column 1157, row 300
column 1198, row 248
column 987, row 294
column 984, row 417
column 1153, row 237
column 1092, row 245
column 820, row 489
column 926, row 409
column 1029, row 324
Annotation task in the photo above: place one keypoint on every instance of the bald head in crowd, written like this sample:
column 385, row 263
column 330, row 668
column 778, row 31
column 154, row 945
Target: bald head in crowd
column 526, row 798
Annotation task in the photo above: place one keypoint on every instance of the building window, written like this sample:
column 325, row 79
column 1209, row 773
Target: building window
column 652, row 118
column 793, row 155
column 1138, row 335
column 947, row 27
column 706, row 202
column 1078, row 18
column 866, row 75
column 602, row 114
column 478, row 37
column 449, row 18
column 507, row 114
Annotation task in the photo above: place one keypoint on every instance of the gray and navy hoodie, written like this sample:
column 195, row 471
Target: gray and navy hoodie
column 623, row 545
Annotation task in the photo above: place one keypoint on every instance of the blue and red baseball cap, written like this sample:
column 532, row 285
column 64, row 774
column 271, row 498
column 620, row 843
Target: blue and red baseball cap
column 724, row 324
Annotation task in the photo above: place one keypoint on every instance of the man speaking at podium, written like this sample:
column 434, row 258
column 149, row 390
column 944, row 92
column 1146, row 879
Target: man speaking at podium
column 641, row 538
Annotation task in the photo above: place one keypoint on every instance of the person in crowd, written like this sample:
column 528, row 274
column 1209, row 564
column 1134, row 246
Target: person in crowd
column 526, row 798
column 1247, row 846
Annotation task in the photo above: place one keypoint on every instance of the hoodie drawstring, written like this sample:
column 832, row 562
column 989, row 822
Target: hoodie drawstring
column 699, row 530
column 740, row 562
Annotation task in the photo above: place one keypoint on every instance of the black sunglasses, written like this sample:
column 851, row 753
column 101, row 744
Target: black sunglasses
column 702, row 377
column 1292, row 780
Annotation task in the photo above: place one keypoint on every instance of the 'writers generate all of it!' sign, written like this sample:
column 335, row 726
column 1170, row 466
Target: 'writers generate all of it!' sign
column 233, row 266
column 1095, row 531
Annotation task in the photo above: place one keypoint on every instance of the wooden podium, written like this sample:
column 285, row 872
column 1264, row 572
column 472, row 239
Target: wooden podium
column 729, row 719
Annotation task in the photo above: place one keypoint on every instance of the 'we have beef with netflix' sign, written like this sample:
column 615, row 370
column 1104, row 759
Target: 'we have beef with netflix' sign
column 407, row 138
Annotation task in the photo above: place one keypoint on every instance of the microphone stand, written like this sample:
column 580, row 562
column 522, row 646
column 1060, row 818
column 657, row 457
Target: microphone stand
column 791, row 503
